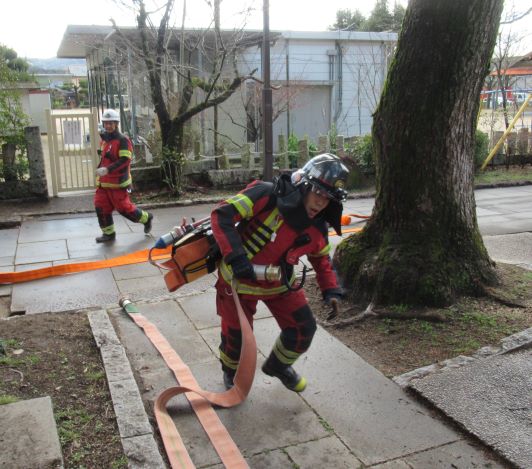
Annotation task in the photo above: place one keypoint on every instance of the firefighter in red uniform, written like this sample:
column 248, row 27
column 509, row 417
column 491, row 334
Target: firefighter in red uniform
column 113, row 180
column 277, row 224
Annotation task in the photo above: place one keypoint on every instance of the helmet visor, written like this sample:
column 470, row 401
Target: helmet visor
column 332, row 194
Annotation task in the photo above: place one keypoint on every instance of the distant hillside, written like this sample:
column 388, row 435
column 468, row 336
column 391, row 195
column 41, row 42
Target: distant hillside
column 55, row 65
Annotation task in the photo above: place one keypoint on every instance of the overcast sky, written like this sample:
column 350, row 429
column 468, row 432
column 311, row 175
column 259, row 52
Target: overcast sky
column 34, row 28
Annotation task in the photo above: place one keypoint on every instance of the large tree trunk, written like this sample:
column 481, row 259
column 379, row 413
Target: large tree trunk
column 422, row 244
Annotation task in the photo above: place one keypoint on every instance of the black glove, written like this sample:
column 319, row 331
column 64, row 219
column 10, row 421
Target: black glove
column 242, row 268
column 330, row 295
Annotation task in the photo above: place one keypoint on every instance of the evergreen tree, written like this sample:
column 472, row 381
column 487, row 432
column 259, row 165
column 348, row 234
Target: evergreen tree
column 380, row 18
column 347, row 20
column 12, row 118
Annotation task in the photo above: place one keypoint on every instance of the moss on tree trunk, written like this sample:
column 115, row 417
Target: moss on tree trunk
column 422, row 244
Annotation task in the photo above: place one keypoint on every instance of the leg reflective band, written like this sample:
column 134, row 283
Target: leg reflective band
column 108, row 230
column 200, row 399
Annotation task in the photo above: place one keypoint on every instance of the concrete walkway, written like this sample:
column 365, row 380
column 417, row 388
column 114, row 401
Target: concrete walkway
column 350, row 415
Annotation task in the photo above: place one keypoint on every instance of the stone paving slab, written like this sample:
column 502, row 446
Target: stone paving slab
column 82, row 290
column 135, row 430
column 513, row 249
column 125, row 243
column 28, row 429
column 7, row 261
column 5, row 290
column 370, row 413
column 130, row 414
column 142, row 453
column 127, row 272
column 8, row 242
column 269, row 419
column 458, row 455
column 67, row 228
column 42, row 251
column 323, row 453
column 143, row 288
column 169, row 318
column 491, row 399
column 201, row 309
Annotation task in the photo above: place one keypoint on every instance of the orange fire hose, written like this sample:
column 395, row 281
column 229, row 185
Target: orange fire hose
column 137, row 257
column 200, row 400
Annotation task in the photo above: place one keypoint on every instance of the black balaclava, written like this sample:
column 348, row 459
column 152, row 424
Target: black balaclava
column 290, row 204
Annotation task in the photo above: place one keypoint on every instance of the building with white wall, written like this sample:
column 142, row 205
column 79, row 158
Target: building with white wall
column 34, row 101
column 320, row 80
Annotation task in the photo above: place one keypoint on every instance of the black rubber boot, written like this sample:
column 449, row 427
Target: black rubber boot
column 229, row 377
column 147, row 225
column 288, row 376
column 105, row 238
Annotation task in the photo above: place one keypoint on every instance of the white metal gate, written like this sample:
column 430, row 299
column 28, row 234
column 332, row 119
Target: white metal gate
column 73, row 142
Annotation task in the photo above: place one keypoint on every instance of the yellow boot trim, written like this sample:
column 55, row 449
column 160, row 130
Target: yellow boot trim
column 144, row 217
column 301, row 385
column 108, row 230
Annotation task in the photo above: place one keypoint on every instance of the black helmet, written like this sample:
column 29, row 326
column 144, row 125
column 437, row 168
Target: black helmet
column 325, row 173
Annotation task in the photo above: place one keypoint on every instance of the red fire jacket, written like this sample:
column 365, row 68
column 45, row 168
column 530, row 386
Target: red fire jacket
column 116, row 151
column 265, row 238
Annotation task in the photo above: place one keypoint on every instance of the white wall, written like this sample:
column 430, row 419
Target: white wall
column 38, row 103
column 315, row 106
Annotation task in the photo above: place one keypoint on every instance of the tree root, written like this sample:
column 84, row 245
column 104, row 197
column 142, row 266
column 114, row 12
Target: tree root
column 371, row 312
column 367, row 313
column 497, row 296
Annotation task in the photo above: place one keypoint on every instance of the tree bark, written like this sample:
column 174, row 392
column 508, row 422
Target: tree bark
column 422, row 245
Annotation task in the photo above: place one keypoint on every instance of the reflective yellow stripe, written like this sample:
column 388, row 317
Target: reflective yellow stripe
column 326, row 250
column 229, row 362
column 227, row 274
column 144, row 217
column 125, row 153
column 288, row 357
column 257, row 241
column 110, row 185
column 249, row 255
column 108, row 229
column 243, row 204
column 272, row 222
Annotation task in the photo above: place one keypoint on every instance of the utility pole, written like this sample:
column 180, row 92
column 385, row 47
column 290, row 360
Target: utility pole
column 267, row 96
column 216, row 62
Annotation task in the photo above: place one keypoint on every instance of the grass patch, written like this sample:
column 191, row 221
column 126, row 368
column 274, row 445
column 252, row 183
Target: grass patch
column 69, row 422
column 8, row 399
column 467, row 347
column 119, row 463
column 7, row 358
column 480, row 319
column 493, row 176
column 95, row 375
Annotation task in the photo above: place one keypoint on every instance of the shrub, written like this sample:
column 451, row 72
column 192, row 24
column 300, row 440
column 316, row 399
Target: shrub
column 481, row 148
column 293, row 150
column 361, row 151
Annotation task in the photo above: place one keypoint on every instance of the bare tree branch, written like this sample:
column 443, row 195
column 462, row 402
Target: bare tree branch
column 225, row 136
column 517, row 17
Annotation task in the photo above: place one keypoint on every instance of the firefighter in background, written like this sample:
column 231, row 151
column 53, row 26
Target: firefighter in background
column 277, row 224
column 113, row 180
